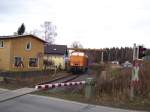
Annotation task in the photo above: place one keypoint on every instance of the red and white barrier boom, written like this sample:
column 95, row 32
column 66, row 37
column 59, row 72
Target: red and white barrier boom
column 47, row 86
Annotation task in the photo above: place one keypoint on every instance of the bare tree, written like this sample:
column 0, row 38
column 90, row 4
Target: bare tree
column 47, row 32
column 35, row 32
column 76, row 44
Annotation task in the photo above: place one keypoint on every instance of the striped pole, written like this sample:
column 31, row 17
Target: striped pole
column 49, row 86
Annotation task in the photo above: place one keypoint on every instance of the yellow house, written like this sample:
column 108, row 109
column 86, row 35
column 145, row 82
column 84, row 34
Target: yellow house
column 55, row 55
column 21, row 53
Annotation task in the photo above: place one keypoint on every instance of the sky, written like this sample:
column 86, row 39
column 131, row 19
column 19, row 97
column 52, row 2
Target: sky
column 94, row 23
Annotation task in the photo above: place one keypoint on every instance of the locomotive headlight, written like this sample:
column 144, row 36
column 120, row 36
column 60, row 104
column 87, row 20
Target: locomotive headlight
column 71, row 64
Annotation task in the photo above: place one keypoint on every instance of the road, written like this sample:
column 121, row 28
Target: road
column 35, row 103
column 3, row 90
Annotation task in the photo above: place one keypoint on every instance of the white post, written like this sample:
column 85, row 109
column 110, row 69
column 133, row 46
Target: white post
column 134, row 52
column 137, row 52
column 102, row 57
column 132, row 76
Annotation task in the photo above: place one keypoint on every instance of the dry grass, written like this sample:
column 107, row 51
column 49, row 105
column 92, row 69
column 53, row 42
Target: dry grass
column 115, row 87
column 19, row 82
column 112, row 88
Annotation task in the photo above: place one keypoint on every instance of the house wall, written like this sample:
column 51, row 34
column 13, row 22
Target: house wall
column 18, row 48
column 57, row 59
column 5, row 55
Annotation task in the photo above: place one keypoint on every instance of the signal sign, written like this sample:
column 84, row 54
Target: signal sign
column 142, row 52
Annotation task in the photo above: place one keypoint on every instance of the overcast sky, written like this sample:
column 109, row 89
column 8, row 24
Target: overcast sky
column 95, row 23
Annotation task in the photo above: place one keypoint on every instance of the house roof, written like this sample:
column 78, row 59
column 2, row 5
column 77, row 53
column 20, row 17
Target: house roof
column 20, row 36
column 55, row 49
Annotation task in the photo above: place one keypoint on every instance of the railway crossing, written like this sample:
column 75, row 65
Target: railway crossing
column 23, row 91
column 11, row 94
column 48, row 86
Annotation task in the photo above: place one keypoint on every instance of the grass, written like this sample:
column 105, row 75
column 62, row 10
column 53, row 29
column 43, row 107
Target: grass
column 104, row 100
column 20, row 82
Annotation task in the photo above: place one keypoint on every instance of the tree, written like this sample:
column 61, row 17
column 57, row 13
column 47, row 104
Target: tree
column 47, row 32
column 76, row 44
column 21, row 29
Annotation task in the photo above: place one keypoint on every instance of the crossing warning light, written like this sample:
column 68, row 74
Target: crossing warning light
column 142, row 52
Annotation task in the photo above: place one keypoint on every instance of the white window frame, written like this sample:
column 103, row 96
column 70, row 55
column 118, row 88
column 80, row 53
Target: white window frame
column 14, row 60
column 30, row 46
column 2, row 44
column 31, row 66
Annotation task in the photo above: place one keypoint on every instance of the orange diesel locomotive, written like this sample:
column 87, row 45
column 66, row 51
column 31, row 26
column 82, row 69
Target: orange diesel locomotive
column 78, row 62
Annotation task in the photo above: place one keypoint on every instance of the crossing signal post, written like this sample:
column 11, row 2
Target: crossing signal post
column 138, row 53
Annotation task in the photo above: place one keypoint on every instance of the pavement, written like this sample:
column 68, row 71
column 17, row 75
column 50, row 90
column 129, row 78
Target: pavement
column 7, row 94
column 35, row 103
column 3, row 90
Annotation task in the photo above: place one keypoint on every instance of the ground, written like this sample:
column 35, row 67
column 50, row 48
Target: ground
column 29, row 81
column 108, row 92
column 79, row 95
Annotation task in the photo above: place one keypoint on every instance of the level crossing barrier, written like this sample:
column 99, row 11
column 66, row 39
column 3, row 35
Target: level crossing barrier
column 48, row 86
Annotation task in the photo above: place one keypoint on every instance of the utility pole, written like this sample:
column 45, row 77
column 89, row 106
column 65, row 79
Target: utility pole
column 108, row 56
column 134, row 52
column 102, row 57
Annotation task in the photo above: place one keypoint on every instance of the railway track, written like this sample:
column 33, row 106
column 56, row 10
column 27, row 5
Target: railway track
column 60, row 79
column 63, row 82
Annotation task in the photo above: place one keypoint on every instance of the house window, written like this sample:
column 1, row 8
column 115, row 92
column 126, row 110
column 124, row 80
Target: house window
column 33, row 62
column 18, row 62
column 28, row 46
column 1, row 44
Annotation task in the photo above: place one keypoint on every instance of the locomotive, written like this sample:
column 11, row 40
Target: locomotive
column 78, row 62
